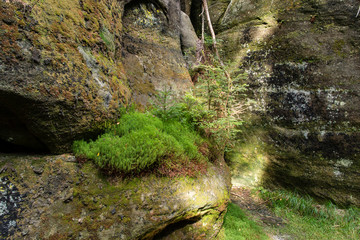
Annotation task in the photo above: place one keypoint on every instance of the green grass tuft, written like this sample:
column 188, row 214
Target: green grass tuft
column 309, row 220
column 138, row 141
column 239, row 227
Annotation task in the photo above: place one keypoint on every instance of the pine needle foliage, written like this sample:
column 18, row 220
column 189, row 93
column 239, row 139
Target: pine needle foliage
column 219, row 94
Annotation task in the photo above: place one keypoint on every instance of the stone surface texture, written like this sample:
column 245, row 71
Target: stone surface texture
column 66, row 67
column 53, row 197
column 189, row 40
column 303, row 64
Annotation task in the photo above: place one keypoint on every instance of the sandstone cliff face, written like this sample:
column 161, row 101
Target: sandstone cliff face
column 53, row 197
column 303, row 63
column 67, row 66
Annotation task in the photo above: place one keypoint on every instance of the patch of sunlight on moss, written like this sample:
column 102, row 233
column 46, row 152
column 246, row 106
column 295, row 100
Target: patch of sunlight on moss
column 248, row 161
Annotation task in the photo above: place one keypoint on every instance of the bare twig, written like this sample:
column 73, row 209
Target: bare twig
column 224, row 111
column 206, row 8
column 200, row 53
column 202, row 26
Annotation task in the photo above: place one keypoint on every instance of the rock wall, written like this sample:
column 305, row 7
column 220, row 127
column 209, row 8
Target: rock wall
column 303, row 66
column 54, row 197
column 66, row 67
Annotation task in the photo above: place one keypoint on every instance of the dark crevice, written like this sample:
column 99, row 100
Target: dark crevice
column 135, row 4
column 15, row 134
column 135, row 18
column 196, row 9
column 168, row 230
column 6, row 147
column 183, row 5
column 16, row 137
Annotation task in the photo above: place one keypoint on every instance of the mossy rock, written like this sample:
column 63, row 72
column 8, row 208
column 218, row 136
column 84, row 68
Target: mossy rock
column 68, row 200
column 66, row 67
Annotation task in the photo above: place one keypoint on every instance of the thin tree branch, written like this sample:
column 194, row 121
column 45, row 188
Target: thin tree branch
column 205, row 5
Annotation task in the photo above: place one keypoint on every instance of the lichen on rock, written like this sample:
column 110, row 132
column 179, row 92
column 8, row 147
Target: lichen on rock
column 10, row 207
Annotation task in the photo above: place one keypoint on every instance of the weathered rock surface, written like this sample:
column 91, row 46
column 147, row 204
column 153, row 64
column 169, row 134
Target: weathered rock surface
column 303, row 66
column 189, row 39
column 153, row 57
column 53, row 197
column 67, row 66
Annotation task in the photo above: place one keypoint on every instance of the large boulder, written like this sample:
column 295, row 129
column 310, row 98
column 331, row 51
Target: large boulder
column 54, row 197
column 302, row 60
column 66, row 67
